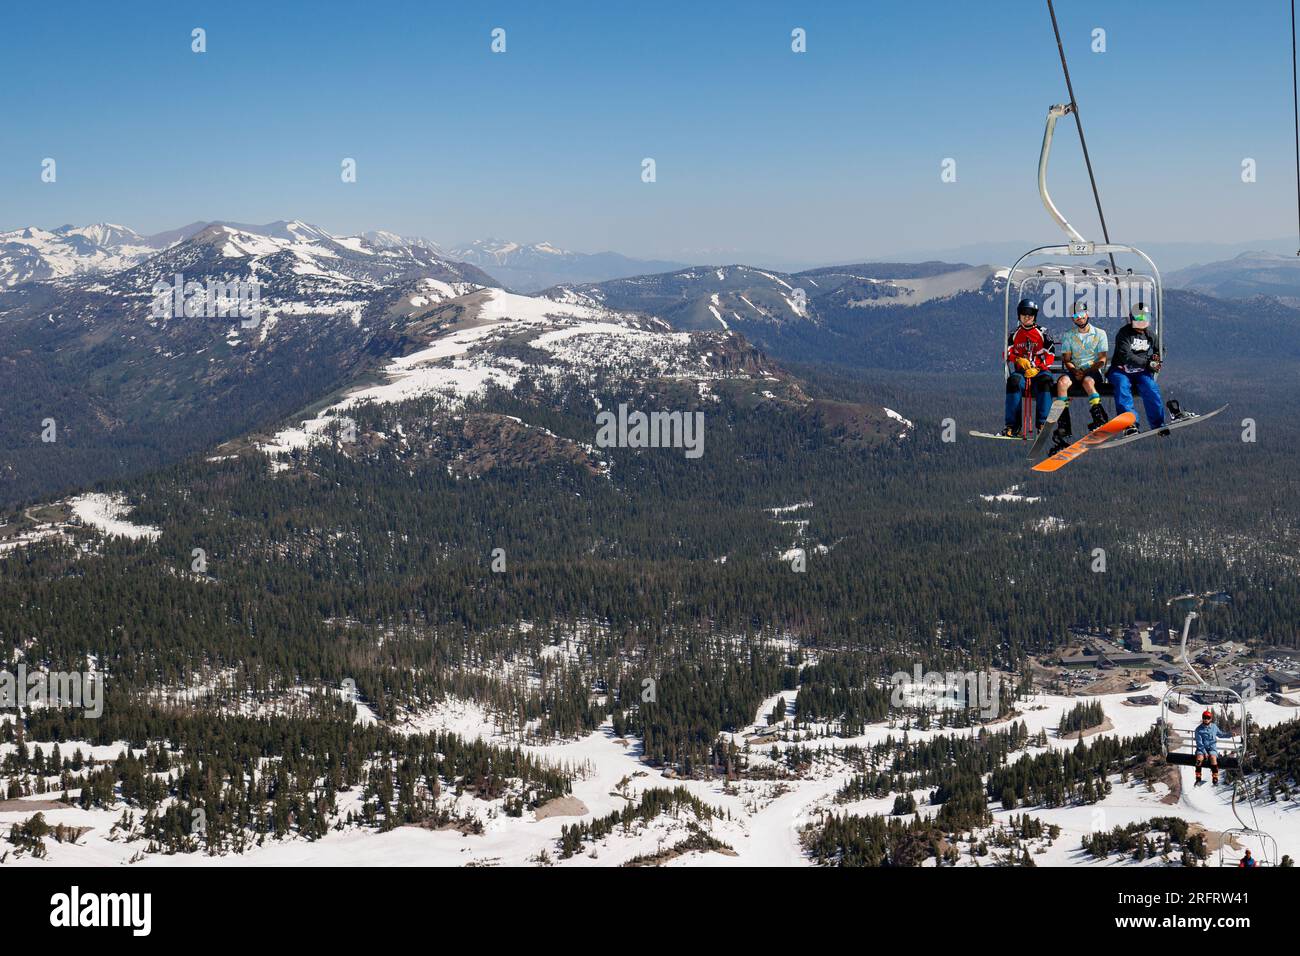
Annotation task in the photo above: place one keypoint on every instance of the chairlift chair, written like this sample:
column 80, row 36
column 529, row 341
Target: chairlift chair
column 1265, row 844
column 1177, row 742
column 1176, row 736
column 1076, row 268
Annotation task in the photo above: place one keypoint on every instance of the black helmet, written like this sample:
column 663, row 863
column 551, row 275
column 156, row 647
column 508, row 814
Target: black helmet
column 1027, row 307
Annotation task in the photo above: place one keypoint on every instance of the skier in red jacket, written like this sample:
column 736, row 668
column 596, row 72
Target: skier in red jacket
column 1030, row 353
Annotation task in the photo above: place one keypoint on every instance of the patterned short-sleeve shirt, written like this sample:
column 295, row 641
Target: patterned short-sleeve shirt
column 1085, row 347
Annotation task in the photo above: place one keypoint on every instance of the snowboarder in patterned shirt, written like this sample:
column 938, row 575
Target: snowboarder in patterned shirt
column 1084, row 351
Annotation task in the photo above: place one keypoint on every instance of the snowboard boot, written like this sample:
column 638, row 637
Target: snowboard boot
column 1131, row 430
column 1099, row 416
column 1010, row 431
column 1198, row 775
column 1175, row 411
column 1063, row 433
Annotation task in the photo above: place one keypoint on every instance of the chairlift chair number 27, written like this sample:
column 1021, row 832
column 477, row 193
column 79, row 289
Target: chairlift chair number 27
column 1022, row 279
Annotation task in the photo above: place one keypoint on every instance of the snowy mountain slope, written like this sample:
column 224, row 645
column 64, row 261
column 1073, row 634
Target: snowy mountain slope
column 758, row 299
column 37, row 255
column 128, row 373
column 297, row 259
column 490, row 337
column 34, row 255
column 1246, row 275
column 761, row 820
column 704, row 297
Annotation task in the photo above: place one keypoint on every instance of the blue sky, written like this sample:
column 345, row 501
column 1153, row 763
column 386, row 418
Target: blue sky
column 829, row 155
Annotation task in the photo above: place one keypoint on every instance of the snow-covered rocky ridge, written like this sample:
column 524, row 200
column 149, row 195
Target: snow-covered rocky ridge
column 252, row 287
column 33, row 255
column 576, row 341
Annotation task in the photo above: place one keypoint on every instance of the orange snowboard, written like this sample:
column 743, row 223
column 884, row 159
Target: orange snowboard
column 1097, row 436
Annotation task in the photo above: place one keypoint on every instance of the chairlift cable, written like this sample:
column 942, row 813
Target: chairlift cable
column 1295, row 108
column 1074, row 108
column 1253, row 827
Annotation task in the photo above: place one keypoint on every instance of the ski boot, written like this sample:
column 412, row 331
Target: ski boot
column 1099, row 416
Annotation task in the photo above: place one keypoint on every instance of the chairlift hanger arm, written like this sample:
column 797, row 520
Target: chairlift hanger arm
column 1078, row 122
column 1044, row 155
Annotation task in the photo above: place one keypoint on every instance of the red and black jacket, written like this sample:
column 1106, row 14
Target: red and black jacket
column 1033, row 343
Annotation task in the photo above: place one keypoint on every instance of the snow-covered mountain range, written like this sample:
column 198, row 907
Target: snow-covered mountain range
column 1243, row 276
column 32, row 254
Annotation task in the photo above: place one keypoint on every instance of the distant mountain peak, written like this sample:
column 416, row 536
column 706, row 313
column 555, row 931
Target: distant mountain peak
column 531, row 267
column 32, row 254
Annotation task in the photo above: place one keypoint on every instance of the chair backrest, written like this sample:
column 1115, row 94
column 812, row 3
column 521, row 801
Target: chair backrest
column 1076, row 275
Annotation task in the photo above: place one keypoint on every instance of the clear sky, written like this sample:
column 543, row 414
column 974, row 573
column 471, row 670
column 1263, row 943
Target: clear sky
column 829, row 155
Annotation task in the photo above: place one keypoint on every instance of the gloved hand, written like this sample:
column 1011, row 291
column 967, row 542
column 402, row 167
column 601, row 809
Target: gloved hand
column 1031, row 372
column 1023, row 364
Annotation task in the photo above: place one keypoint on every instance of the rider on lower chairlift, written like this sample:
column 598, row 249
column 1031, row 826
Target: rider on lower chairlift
column 1207, row 737
column 1030, row 350
column 1136, row 360
column 1083, row 354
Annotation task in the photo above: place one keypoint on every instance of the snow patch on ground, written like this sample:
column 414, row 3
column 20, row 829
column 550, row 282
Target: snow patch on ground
column 107, row 513
column 1011, row 494
column 907, row 425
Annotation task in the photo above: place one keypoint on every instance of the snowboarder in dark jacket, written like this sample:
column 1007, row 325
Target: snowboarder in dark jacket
column 1134, row 364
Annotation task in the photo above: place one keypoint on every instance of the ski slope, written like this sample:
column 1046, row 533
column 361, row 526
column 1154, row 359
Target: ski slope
column 765, row 816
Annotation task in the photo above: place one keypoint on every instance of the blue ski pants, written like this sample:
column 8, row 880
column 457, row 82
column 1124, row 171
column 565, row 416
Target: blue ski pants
column 1124, row 383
